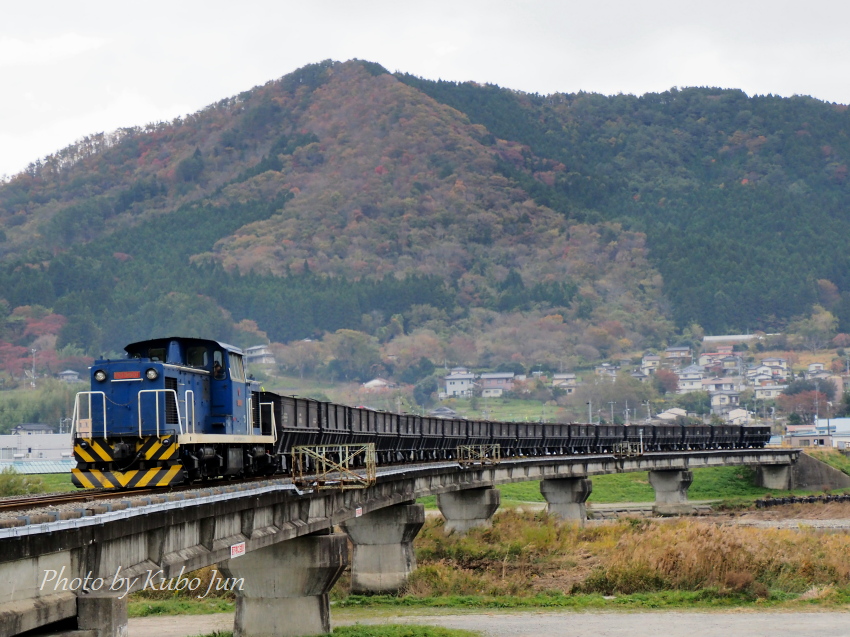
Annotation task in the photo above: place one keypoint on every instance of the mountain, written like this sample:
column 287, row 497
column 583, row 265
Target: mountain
column 505, row 226
column 307, row 205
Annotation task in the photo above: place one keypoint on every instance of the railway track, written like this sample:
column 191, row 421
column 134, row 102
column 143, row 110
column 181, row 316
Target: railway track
column 39, row 501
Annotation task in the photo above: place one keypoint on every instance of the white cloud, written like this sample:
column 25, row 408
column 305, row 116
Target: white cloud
column 15, row 52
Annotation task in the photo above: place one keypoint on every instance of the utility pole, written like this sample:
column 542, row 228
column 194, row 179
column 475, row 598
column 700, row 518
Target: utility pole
column 32, row 382
column 627, row 413
column 590, row 412
column 611, row 402
column 817, row 411
column 648, row 412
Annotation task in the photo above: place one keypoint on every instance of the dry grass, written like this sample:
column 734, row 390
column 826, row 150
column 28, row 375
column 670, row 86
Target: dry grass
column 524, row 554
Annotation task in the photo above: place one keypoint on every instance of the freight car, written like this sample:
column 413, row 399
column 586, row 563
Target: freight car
column 177, row 410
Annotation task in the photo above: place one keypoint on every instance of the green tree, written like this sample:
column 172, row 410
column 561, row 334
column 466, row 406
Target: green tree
column 356, row 355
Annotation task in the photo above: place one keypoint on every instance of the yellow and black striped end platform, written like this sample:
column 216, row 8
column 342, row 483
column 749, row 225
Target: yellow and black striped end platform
column 92, row 450
column 133, row 479
column 151, row 448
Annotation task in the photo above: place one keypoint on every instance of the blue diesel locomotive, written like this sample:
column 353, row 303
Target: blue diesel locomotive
column 177, row 410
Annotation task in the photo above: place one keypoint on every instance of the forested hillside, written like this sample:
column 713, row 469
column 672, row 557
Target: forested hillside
column 744, row 200
column 455, row 222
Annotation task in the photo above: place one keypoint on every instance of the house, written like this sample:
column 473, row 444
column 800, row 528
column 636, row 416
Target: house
column 739, row 417
column 493, row 384
column 31, row 428
column 722, row 402
column 259, row 355
column 677, row 352
column 650, row 363
column 690, row 379
column 673, row 413
column 639, row 375
column 69, row 376
column 377, row 384
column 730, row 364
column 459, row 382
column 443, row 412
column 727, row 383
column 607, row 370
column 710, row 358
column 567, row 382
column 778, row 367
column 768, row 392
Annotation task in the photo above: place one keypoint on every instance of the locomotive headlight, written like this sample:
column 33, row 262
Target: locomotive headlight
column 151, row 374
column 100, row 375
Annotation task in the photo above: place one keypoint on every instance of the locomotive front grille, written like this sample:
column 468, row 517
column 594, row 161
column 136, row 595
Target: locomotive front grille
column 170, row 402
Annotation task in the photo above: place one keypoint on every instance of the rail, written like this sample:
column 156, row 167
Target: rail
column 156, row 393
column 85, row 425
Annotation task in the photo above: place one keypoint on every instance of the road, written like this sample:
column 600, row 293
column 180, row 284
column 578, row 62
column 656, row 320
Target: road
column 560, row 624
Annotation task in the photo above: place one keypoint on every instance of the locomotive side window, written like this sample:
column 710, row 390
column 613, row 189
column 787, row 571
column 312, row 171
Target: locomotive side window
column 218, row 364
column 236, row 371
column 196, row 357
column 157, row 354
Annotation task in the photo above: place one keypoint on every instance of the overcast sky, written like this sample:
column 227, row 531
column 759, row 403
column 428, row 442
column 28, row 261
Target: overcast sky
column 71, row 68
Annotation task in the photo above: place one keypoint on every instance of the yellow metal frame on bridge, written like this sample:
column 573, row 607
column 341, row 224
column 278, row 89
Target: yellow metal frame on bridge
column 468, row 455
column 334, row 466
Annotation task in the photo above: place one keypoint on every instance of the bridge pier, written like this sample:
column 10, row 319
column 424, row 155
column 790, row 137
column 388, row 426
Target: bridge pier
column 773, row 476
column 671, row 490
column 285, row 586
column 469, row 508
column 383, row 547
column 566, row 497
column 105, row 616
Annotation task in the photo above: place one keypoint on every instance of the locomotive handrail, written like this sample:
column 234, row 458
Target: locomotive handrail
column 156, row 393
column 186, row 395
column 75, row 416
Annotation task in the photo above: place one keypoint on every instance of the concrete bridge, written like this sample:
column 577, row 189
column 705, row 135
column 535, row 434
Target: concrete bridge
column 72, row 570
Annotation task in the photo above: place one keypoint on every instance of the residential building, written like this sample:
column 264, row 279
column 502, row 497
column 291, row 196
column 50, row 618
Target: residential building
column 730, row 364
column 677, row 353
column 46, row 445
column 259, row 355
column 650, row 363
column 768, row 392
column 690, row 379
column 726, row 383
column 567, row 382
column 459, row 383
column 722, row 402
column 69, row 376
column 608, row 370
column 739, row 417
column 493, row 384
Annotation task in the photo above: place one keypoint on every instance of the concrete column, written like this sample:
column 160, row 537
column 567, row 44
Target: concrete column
column 285, row 586
column 104, row 616
column 383, row 547
column 773, row 476
column 567, row 497
column 671, row 490
column 469, row 508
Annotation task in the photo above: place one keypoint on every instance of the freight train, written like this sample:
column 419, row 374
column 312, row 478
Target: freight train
column 177, row 410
